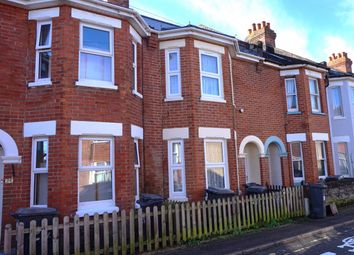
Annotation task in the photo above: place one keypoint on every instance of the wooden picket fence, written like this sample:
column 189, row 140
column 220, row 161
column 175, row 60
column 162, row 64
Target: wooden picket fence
column 140, row 231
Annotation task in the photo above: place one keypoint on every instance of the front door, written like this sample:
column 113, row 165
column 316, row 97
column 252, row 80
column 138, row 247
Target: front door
column 253, row 171
column 275, row 165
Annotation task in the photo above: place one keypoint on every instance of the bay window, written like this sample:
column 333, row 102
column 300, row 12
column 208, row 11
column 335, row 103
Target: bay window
column 39, row 176
column 216, row 164
column 96, row 176
column 177, row 182
column 297, row 161
column 337, row 102
column 291, row 95
column 211, row 75
column 173, row 74
column 315, row 96
column 96, row 56
column 321, row 159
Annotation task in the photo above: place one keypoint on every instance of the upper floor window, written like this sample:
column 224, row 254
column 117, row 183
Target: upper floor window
column 39, row 177
column 211, row 75
column 135, row 67
column 321, row 159
column 291, row 95
column 337, row 102
column 315, row 96
column 43, row 54
column 96, row 56
column 173, row 74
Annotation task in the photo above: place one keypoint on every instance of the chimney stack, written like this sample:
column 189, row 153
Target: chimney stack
column 340, row 62
column 262, row 32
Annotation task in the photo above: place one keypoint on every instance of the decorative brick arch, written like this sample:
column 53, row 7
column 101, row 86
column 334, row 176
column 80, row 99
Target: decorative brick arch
column 279, row 142
column 252, row 139
column 9, row 147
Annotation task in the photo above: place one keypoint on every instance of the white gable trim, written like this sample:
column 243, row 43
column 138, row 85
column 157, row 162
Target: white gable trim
column 40, row 128
column 320, row 137
column 296, row 137
column 340, row 139
column 95, row 18
column 291, row 72
column 172, row 44
column 313, row 74
column 175, row 133
column 209, row 47
column 43, row 14
column 95, row 128
column 135, row 34
column 137, row 132
column 206, row 132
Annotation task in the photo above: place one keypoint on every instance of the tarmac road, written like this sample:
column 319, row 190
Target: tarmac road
column 334, row 242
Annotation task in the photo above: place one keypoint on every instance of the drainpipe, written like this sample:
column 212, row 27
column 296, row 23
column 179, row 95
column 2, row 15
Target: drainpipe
column 233, row 123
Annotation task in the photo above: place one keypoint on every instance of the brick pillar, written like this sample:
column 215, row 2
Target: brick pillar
column 242, row 173
column 264, row 168
column 286, row 171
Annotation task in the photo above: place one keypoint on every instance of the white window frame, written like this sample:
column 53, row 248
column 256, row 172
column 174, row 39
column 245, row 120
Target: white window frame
column 96, row 205
column 346, row 157
column 323, row 147
column 219, row 76
column 288, row 95
column 169, row 73
column 36, row 170
column 297, row 179
column 341, row 102
column 182, row 196
column 97, row 83
column 223, row 165
column 352, row 100
column 316, row 95
column 135, row 67
column 137, row 171
column 44, row 48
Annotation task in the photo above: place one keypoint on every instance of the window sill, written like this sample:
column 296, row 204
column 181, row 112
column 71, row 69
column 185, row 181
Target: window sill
column 100, row 210
column 178, row 199
column 294, row 113
column 319, row 113
column 339, row 118
column 212, row 99
column 93, row 84
column 136, row 93
column 40, row 83
column 171, row 99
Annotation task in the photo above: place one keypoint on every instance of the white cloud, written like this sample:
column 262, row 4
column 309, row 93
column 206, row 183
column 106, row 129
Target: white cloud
column 336, row 44
column 237, row 17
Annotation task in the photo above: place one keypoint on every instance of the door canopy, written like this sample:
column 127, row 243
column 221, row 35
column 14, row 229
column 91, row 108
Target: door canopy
column 252, row 139
column 278, row 141
column 10, row 149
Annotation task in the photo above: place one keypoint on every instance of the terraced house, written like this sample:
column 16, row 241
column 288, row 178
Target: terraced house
column 99, row 104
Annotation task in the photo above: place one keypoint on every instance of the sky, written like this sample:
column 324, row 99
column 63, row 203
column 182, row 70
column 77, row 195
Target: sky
column 310, row 28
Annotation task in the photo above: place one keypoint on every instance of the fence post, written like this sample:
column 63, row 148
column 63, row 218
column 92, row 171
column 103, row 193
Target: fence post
column 194, row 222
column 163, row 226
column 66, row 237
column 140, row 230
column 7, row 239
column 199, row 218
column 224, row 214
column 188, row 213
column 96, row 230
column 183, row 219
column 55, row 236
column 132, row 231
column 148, row 228
column 178, row 227
column 156, row 228
column 20, row 238
column 33, row 237
column 87, row 234
column 124, row 232
column 170, row 224
column 115, row 236
column 44, row 237
column 77, row 235
column 205, row 219
column 105, row 234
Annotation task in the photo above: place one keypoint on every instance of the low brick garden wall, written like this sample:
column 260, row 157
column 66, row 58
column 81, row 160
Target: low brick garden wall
column 340, row 192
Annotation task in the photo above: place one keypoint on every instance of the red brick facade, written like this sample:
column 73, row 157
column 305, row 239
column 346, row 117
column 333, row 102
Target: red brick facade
column 259, row 109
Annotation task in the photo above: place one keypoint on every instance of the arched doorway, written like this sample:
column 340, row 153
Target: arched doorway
column 253, row 171
column 275, row 170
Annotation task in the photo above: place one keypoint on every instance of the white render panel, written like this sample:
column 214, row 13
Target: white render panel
column 209, row 47
column 175, row 133
column 135, row 34
column 40, row 128
column 172, row 44
column 95, row 128
column 340, row 139
column 320, row 137
column 290, row 72
column 43, row 14
column 313, row 74
column 206, row 132
column 137, row 132
column 296, row 137
column 95, row 18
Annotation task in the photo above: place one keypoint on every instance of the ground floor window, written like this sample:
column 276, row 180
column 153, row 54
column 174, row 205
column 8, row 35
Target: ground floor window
column 343, row 160
column 39, row 176
column 177, row 182
column 96, row 180
column 216, row 164
column 297, row 161
column 321, row 159
column 137, row 170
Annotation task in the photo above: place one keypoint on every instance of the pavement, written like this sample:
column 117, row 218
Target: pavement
column 258, row 242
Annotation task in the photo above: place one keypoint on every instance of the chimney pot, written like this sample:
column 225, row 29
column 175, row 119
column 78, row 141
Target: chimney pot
column 254, row 26
column 264, row 24
column 259, row 25
column 341, row 62
column 330, row 58
column 268, row 25
column 266, row 35
column 339, row 55
column 345, row 54
column 249, row 31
